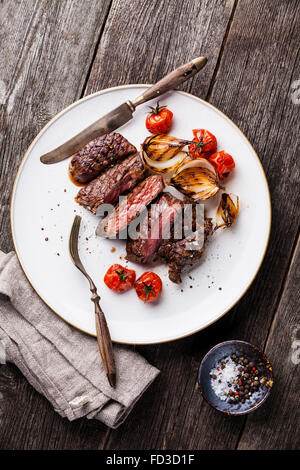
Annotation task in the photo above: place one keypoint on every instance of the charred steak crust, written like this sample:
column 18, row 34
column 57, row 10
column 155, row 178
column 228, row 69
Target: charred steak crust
column 99, row 154
column 163, row 211
column 131, row 207
column 174, row 252
column 106, row 188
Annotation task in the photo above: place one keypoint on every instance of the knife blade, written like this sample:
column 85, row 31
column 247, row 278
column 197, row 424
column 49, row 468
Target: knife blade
column 123, row 113
column 108, row 123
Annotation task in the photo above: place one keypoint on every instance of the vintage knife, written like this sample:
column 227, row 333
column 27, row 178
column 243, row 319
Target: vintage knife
column 123, row 113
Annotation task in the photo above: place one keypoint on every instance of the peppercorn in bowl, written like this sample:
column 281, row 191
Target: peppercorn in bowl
column 235, row 377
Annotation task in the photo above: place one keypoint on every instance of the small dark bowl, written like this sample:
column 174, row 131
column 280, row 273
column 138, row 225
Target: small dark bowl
column 219, row 352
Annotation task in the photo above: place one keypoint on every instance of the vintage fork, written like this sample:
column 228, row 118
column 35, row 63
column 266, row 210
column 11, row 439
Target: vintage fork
column 103, row 335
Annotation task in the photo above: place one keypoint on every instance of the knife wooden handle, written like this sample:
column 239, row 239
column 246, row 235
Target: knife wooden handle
column 171, row 81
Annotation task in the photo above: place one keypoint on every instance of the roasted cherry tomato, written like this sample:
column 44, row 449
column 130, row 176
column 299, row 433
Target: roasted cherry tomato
column 119, row 279
column 159, row 120
column 205, row 144
column 148, row 286
column 223, row 163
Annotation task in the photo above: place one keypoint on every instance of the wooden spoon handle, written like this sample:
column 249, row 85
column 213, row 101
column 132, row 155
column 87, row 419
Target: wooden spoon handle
column 171, row 81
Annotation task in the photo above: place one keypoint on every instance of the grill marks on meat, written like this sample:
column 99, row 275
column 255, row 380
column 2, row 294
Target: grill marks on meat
column 88, row 166
column 99, row 154
column 107, row 187
column 131, row 207
column 154, row 228
column 176, row 254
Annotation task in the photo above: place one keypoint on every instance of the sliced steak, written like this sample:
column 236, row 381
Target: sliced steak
column 99, row 154
column 154, row 229
column 106, row 188
column 176, row 254
column 131, row 207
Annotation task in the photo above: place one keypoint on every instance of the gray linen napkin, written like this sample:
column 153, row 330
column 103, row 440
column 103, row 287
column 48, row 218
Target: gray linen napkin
column 59, row 361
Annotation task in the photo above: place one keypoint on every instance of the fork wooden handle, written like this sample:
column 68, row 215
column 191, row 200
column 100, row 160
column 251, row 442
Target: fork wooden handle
column 103, row 336
column 104, row 342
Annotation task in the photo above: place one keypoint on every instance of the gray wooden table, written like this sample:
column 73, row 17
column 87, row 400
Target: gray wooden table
column 53, row 53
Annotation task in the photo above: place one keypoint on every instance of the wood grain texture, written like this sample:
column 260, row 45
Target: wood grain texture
column 45, row 55
column 252, row 86
column 28, row 421
column 253, row 54
column 144, row 40
column 276, row 426
column 170, row 50
column 162, row 35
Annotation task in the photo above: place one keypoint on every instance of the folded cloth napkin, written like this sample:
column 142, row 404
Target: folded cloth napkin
column 59, row 361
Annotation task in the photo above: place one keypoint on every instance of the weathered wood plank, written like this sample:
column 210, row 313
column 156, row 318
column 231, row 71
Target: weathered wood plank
column 143, row 41
column 45, row 55
column 162, row 35
column 46, row 51
column 169, row 24
column 28, row 421
column 275, row 427
column 254, row 92
column 252, row 86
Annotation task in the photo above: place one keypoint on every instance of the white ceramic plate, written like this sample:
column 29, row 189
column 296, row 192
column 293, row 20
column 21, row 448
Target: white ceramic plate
column 43, row 206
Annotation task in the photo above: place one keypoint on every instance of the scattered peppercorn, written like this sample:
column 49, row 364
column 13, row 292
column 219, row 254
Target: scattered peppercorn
column 241, row 377
column 248, row 380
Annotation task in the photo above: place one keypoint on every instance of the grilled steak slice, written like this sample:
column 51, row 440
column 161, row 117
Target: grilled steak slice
column 176, row 254
column 156, row 227
column 99, row 154
column 131, row 207
column 106, row 188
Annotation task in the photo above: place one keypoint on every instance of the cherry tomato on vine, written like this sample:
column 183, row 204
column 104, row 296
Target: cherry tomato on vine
column 205, row 144
column 223, row 163
column 119, row 279
column 148, row 286
column 159, row 120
